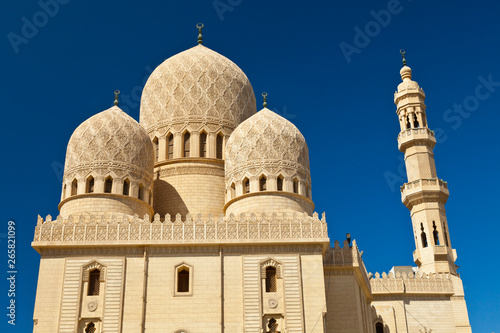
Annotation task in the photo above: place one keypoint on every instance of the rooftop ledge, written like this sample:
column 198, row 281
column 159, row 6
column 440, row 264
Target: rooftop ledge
column 126, row 230
column 406, row 137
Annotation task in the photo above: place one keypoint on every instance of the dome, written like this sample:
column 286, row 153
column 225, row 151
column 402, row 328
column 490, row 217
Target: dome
column 109, row 147
column 110, row 140
column 197, row 86
column 267, row 167
column 267, row 141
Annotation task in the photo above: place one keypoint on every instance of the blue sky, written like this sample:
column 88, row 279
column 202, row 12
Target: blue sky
column 334, row 83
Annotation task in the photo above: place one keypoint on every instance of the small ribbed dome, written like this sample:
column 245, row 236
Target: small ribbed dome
column 196, row 86
column 110, row 140
column 267, row 142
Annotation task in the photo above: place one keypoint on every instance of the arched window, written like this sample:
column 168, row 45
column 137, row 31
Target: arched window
column 155, row 144
column 90, row 328
column 140, row 195
column 270, row 279
column 94, row 282
column 435, row 234
column 408, row 125
column 126, row 187
column 415, row 120
column 379, row 327
column 445, row 235
column 233, row 190
column 187, row 144
column 108, row 185
column 183, row 280
column 64, row 192
column 90, row 185
column 219, row 146
column 246, row 185
column 170, row 147
column 74, row 187
column 279, row 183
column 295, row 185
column 203, row 144
column 423, row 236
column 272, row 326
column 263, row 183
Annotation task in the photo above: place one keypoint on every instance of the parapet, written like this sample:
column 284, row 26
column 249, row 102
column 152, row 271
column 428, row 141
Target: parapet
column 112, row 230
column 419, row 283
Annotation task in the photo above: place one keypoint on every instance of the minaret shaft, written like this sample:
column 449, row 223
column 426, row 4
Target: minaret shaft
column 425, row 194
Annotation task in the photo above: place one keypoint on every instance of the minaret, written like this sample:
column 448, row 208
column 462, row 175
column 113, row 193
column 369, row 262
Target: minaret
column 424, row 194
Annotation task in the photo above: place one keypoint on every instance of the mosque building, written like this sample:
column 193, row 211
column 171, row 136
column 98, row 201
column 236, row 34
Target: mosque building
column 200, row 219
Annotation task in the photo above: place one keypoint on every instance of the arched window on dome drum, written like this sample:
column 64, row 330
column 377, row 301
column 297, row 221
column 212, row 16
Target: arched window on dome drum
column 270, row 279
column 108, row 185
column 186, row 144
column 423, row 236
column 170, row 147
column 246, row 185
column 203, row 144
column 90, row 328
column 435, row 234
column 233, row 191
column 295, row 185
column 74, row 187
column 94, row 282
column 183, row 280
column 140, row 195
column 219, row 146
column 279, row 183
column 90, row 185
column 156, row 146
column 126, row 187
column 263, row 183
column 379, row 327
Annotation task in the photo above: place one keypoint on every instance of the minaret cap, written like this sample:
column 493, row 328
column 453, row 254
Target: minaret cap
column 405, row 71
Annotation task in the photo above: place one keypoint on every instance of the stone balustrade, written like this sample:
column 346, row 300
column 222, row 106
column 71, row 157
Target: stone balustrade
column 419, row 284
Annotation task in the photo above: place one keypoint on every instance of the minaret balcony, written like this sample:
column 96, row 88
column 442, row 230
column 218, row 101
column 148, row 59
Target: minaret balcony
column 413, row 136
column 424, row 190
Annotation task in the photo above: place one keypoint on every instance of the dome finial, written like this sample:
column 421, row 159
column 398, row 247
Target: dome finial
column 264, row 94
column 403, row 54
column 200, row 36
column 117, row 92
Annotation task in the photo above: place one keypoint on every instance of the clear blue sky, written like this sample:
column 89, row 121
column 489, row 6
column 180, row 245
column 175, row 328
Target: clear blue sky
column 66, row 67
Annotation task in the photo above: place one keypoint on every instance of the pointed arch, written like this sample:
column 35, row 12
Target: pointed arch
column 108, row 184
column 170, row 146
column 89, row 188
column 296, row 185
column 203, row 144
column 140, row 194
column 423, row 236
column 156, row 148
column 219, row 146
column 186, row 144
column 74, row 187
column 126, row 187
column 263, row 183
column 246, row 185
column 435, row 233
column 279, row 183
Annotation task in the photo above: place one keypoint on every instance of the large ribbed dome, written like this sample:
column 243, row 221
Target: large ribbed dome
column 197, row 86
column 267, row 142
column 110, row 141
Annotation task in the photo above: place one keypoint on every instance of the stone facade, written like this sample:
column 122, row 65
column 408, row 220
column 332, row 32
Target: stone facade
column 201, row 219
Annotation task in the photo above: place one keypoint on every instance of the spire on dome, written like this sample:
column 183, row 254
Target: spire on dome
column 405, row 71
column 117, row 92
column 264, row 95
column 200, row 36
